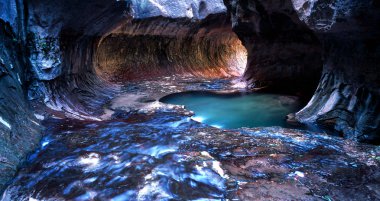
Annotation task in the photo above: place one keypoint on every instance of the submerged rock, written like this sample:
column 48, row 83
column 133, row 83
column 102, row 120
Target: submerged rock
column 155, row 152
column 165, row 155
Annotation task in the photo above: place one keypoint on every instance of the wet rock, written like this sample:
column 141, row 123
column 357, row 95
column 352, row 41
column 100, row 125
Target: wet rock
column 348, row 91
column 19, row 129
column 166, row 155
column 347, row 97
column 161, row 154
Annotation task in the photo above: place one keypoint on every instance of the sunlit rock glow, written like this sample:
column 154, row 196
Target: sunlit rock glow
column 161, row 47
column 92, row 75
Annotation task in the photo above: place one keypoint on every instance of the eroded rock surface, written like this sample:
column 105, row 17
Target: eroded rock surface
column 19, row 128
column 54, row 50
column 347, row 97
column 282, row 51
column 163, row 46
column 69, row 54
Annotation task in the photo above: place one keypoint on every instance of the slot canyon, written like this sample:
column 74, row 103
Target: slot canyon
column 189, row 100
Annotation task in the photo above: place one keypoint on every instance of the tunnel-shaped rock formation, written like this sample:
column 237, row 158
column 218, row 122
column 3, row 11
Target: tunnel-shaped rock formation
column 69, row 58
column 75, row 60
column 160, row 46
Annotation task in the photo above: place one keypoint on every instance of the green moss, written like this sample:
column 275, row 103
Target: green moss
column 47, row 46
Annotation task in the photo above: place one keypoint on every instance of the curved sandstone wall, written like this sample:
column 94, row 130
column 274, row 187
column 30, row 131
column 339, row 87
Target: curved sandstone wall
column 348, row 95
column 59, row 50
column 282, row 51
column 160, row 46
column 70, row 56
column 347, row 98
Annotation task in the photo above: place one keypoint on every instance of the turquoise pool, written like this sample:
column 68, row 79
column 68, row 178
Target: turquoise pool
column 237, row 110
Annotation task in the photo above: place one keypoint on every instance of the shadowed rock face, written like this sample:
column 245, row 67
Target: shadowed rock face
column 71, row 45
column 62, row 36
column 71, row 55
column 19, row 128
column 347, row 97
column 282, row 51
column 65, row 34
column 55, row 63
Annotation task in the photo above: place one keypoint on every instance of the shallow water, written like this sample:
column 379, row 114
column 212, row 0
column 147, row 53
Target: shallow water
column 166, row 156
column 139, row 157
column 237, row 109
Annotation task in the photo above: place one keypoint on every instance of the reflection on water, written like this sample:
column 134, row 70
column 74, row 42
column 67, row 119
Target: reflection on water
column 167, row 156
column 119, row 160
column 237, row 110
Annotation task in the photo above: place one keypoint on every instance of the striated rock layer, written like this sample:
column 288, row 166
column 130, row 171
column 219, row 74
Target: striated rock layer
column 162, row 46
column 348, row 96
column 67, row 52
column 49, row 47
column 74, row 60
column 289, row 32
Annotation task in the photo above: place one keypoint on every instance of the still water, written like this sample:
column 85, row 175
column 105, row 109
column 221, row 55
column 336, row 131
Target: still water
column 238, row 109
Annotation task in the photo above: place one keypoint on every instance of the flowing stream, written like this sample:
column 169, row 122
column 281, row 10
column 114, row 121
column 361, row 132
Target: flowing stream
column 166, row 155
column 137, row 157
